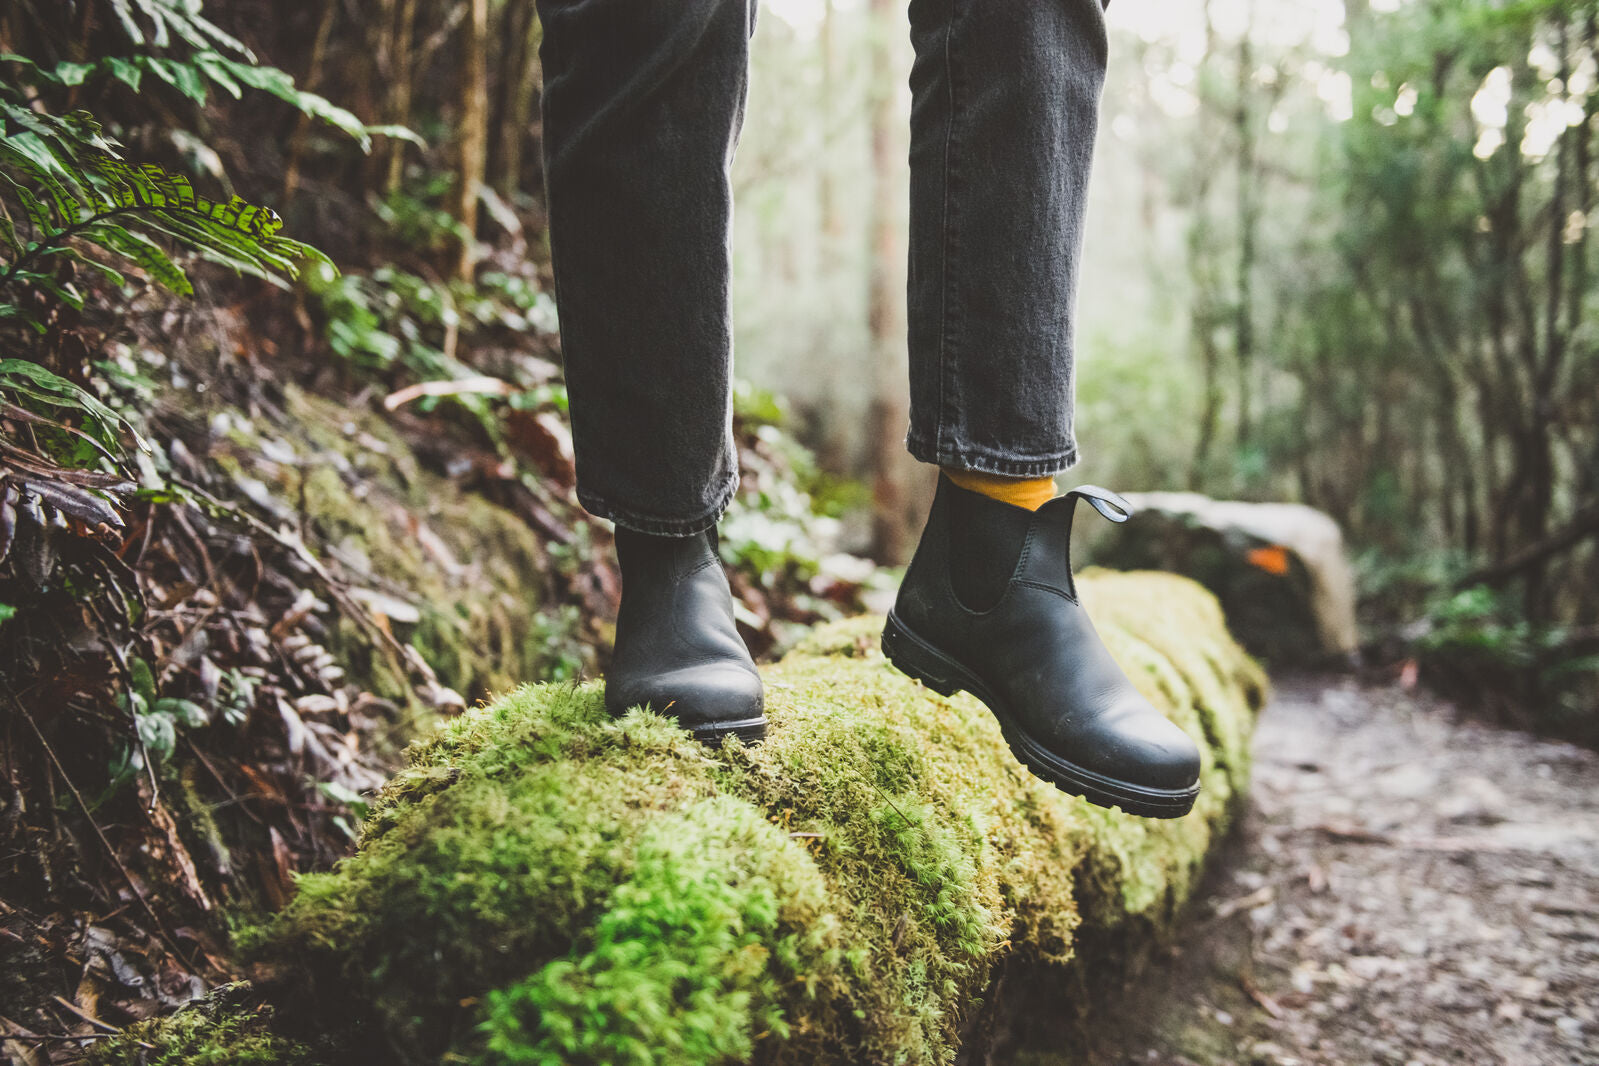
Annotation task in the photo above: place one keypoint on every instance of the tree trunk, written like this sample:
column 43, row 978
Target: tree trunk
column 893, row 470
column 519, row 86
column 1248, row 230
column 474, row 103
column 404, row 36
column 313, row 76
column 827, row 179
column 1202, row 309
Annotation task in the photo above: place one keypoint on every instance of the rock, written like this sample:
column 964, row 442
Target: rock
column 879, row 881
column 1279, row 569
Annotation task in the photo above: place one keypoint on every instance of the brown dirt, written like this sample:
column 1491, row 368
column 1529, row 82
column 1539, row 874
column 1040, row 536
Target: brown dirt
column 1410, row 887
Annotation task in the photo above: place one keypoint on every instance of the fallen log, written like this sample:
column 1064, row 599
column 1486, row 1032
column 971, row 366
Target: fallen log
column 543, row 884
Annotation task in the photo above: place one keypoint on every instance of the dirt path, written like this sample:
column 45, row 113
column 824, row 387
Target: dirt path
column 1410, row 887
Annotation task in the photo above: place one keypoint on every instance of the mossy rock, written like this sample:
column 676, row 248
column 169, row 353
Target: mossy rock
column 544, row 884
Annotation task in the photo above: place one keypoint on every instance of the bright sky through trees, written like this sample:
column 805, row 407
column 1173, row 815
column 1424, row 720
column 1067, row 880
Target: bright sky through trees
column 1317, row 23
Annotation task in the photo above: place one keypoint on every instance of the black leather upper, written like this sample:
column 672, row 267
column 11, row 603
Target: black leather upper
column 1038, row 653
column 677, row 646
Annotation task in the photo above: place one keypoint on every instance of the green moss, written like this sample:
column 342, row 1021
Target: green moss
column 223, row 1029
column 546, row 885
column 690, row 957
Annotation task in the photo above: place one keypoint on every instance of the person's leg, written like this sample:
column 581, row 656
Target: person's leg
column 643, row 101
column 1005, row 107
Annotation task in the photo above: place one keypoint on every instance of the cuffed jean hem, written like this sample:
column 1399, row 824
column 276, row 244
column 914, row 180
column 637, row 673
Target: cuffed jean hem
column 986, row 463
column 599, row 507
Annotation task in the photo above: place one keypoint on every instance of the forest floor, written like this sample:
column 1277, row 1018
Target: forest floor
column 1410, row 886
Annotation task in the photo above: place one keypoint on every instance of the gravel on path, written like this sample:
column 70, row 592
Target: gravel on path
column 1410, row 887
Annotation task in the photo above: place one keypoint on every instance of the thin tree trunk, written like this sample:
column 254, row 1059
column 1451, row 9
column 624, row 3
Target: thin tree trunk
column 313, row 77
column 892, row 497
column 1202, row 312
column 1248, row 227
column 827, row 181
column 404, row 36
column 1586, row 609
column 474, row 104
column 519, row 87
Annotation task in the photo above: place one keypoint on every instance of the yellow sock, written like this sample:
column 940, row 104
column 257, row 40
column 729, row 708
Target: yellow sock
column 1026, row 492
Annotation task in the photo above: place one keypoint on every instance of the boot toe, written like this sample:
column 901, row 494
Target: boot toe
column 707, row 698
column 1145, row 748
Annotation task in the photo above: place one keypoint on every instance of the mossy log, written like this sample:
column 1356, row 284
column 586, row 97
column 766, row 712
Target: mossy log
column 544, row 884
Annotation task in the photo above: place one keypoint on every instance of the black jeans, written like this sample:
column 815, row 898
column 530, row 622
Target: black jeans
column 643, row 102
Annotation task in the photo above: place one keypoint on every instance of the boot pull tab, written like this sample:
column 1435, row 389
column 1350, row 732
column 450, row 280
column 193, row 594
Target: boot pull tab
column 1105, row 502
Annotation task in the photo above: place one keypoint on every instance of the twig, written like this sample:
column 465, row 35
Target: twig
column 480, row 386
column 133, row 716
column 1352, row 834
column 68, row 1038
column 20, row 1032
column 11, row 410
column 233, row 797
column 104, row 1027
column 1258, row 898
column 353, row 610
column 892, row 805
column 1252, row 990
column 160, row 930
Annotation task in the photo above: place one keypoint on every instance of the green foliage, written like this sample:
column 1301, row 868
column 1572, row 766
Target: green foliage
column 1480, row 645
column 166, row 19
column 787, row 512
column 64, row 187
column 395, row 318
column 157, row 722
column 37, row 388
column 545, row 884
column 412, row 215
column 69, row 200
column 1480, row 620
column 220, row 1030
column 173, row 43
column 404, row 328
column 774, row 531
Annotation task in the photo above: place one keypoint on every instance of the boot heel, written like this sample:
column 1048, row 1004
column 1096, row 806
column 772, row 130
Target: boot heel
column 914, row 659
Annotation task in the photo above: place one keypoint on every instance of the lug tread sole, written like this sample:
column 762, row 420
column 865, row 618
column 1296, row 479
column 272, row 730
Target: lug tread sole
column 917, row 658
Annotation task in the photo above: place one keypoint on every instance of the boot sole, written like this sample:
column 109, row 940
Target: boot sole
column 916, row 658
column 711, row 734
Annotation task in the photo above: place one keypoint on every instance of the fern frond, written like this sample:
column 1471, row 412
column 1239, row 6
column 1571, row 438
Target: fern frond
column 75, row 187
column 36, row 383
column 180, row 18
column 8, row 233
column 147, row 255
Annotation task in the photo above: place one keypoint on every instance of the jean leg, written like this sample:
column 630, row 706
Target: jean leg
column 643, row 102
column 1005, row 102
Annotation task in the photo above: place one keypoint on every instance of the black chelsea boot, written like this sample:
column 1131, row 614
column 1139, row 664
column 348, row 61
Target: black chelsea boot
column 677, row 647
column 988, row 605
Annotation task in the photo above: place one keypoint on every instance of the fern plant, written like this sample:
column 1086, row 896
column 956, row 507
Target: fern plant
column 65, row 190
column 75, row 215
